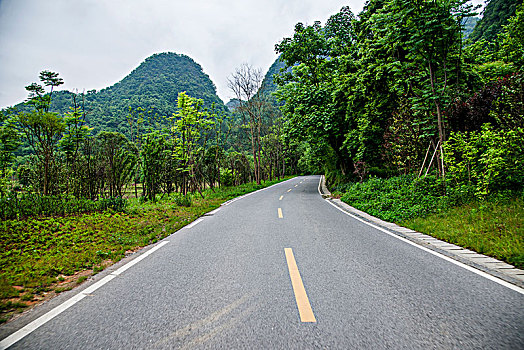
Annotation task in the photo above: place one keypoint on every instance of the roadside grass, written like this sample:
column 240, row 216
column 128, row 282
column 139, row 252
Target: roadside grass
column 43, row 256
column 491, row 228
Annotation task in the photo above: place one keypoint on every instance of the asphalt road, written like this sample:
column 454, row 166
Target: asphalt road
column 225, row 283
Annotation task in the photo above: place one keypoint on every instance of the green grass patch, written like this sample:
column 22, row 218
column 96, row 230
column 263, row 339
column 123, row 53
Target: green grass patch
column 36, row 252
column 491, row 228
column 402, row 197
column 81, row 279
column 59, row 290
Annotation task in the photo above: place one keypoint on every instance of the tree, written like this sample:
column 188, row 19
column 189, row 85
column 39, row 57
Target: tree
column 187, row 130
column 9, row 142
column 75, row 133
column 221, row 130
column 312, row 107
column 245, row 82
column 425, row 40
column 156, row 155
column 43, row 130
column 119, row 157
column 38, row 97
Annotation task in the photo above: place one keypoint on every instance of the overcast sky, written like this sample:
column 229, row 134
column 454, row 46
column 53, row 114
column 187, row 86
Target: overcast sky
column 95, row 43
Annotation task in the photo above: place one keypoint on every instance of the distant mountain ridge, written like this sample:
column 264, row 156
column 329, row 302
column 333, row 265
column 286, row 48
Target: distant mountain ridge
column 154, row 86
column 469, row 24
column 495, row 16
column 268, row 84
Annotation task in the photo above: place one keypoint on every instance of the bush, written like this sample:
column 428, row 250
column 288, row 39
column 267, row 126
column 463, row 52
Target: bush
column 183, row 201
column 118, row 204
column 30, row 205
column 489, row 161
column 403, row 197
column 334, row 178
column 226, row 177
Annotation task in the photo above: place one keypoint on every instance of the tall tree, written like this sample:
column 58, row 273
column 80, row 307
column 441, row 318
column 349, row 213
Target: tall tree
column 119, row 157
column 425, row 39
column 43, row 130
column 189, row 122
column 245, row 82
column 314, row 104
column 9, row 142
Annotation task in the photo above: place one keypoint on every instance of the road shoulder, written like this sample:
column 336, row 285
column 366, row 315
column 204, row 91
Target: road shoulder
column 494, row 267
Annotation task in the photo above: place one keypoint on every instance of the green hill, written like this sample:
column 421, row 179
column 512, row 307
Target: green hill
column 232, row 104
column 154, row 86
column 268, row 84
column 469, row 24
column 496, row 14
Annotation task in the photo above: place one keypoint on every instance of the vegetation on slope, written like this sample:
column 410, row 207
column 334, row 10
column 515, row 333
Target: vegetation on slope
column 492, row 226
column 495, row 16
column 153, row 86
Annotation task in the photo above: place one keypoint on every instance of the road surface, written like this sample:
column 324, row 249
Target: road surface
column 283, row 269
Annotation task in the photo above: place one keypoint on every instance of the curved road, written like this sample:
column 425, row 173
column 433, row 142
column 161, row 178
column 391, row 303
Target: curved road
column 283, row 269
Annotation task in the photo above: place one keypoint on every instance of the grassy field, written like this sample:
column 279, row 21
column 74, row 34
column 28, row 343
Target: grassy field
column 43, row 256
column 491, row 228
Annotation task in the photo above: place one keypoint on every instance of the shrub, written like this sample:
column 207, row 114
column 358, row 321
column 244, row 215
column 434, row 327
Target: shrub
column 183, row 201
column 489, row 161
column 118, row 204
column 30, row 205
column 226, row 177
column 402, row 197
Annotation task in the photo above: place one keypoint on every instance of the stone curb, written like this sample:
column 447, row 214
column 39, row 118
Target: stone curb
column 494, row 267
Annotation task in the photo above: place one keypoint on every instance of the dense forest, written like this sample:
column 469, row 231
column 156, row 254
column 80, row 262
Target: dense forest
column 399, row 90
column 62, row 147
column 495, row 16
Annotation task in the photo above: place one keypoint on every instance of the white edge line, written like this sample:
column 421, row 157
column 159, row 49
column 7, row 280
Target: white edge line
column 250, row 193
column 29, row 328
column 196, row 222
column 458, row 263
column 98, row 284
column 213, row 211
column 138, row 259
column 21, row 333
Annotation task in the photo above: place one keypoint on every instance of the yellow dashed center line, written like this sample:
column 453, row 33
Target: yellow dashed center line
column 280, row 216
column 289, row 190
column 281, row 198
column 304, row 308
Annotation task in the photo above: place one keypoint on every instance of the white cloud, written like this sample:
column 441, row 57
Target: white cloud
column 95, row 43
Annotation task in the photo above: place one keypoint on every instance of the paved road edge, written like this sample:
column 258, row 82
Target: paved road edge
column 494, row 267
